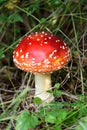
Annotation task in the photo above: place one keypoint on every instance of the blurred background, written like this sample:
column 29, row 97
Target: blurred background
column 66, row 19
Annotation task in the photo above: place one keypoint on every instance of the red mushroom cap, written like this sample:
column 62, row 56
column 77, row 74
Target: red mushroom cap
column 41, row 52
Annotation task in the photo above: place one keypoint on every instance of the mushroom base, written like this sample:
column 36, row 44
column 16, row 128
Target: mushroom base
column 42, row 86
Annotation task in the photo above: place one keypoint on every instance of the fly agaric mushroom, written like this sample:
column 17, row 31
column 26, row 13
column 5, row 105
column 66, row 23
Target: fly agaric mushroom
column 41, row 53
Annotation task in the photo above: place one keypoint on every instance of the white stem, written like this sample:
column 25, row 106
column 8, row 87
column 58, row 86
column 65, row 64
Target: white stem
column 42, row 85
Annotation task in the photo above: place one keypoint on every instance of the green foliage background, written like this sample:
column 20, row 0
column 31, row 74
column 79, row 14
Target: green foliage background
column 66, row 19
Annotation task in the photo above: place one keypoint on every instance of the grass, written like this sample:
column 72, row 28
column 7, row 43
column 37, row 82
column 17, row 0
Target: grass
column 66, row 19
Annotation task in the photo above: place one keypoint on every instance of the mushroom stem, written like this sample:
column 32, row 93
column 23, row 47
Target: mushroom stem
column 42, row 85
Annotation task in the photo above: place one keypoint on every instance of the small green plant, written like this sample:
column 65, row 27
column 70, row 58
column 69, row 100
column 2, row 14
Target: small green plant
column 2, row 55
column 37, row 100
column 82, row 124
column 26, row 121
column 57, row 92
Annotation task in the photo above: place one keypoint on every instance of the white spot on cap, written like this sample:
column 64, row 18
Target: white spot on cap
column 36, row 33
column 67, row 60
column 55, row 50
column 22, row 56
column 46, row 60
column 43, row 32
column 39, row 70
column 29, row 36
column 65, row 56
column 29, row 65
column 16, row 61
column 38, row 39
column 26, row 64
column 52, row 53
column 33, row 62
column 35, row 70
column 39, row 63
column 41, row 44
column 67, row 53
column 49, row 37
column 33, row 59
column 45, row 42
column 58, row 40
column 20, row 50
column 58, row 67
column 63, row 47
column 55, row 57
column 30, row 43
column 27, row 55
column 45, row 38
column 17, row 44
column 41, row 35
column 62, row 62
column 17, row 53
